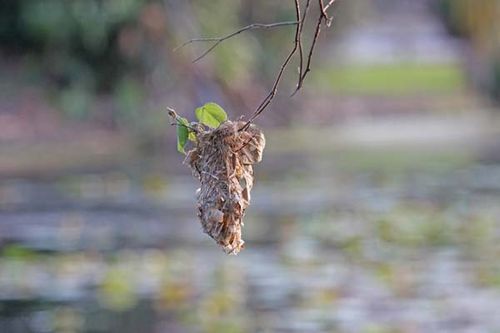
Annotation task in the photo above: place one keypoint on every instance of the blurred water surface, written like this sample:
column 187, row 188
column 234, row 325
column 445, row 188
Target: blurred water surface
column 345, row 248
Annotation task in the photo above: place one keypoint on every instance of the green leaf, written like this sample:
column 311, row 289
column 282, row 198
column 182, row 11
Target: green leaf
column 182, row 134
column 211, row 114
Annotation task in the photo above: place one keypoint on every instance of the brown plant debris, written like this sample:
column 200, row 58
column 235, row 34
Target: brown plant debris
column 223, row 162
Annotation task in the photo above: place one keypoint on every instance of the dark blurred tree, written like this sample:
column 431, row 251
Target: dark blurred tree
column 73, row 40
column 478, row 21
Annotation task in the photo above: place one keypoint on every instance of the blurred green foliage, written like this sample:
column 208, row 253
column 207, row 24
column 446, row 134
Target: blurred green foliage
column 15, row 251
column 79, row 47
column 392, row 79
column 73, row 37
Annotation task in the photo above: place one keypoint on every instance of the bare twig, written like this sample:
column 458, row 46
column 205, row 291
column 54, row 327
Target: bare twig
column 322, row 9
column 246, row 143
column 329, row 4
column 323, row 16
column 317, row 31
column 301, row 51
column 177, row 120
column 274, row 89
column 219, row 40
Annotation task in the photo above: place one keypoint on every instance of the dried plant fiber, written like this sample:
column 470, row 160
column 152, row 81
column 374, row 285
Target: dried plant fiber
column 223, row 162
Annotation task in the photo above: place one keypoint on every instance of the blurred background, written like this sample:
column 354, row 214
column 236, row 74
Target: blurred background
column 376, row 208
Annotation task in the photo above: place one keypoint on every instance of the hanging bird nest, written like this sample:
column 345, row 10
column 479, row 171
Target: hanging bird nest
column 222, row 161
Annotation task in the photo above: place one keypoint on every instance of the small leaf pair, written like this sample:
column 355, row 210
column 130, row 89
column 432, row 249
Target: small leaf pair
column 211, row 114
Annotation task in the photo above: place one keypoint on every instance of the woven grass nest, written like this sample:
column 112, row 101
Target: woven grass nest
column 222, row 160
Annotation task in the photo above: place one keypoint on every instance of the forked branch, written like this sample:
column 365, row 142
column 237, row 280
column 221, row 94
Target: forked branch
column 304, row 62
column 323, row 17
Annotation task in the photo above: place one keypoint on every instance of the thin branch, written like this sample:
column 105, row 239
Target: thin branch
column 274, row 89
column 329, row 4
column 246, row 143
column 219, row 40
column 301, row 51
column 311, row 49
column 194, row 40
column 245, row 28
column 323, row 16
column 177, row 120
column 322, row 9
